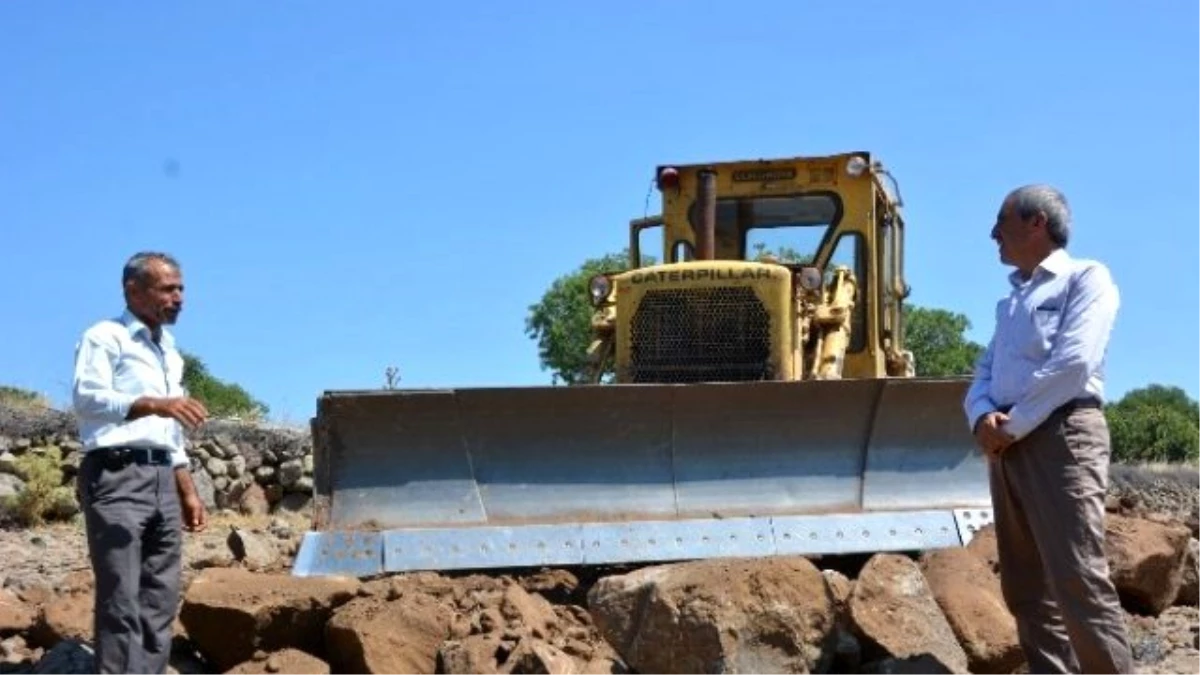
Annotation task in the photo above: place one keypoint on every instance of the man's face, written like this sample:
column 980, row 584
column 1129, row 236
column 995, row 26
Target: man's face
column 159, row 297
column 1014, row 235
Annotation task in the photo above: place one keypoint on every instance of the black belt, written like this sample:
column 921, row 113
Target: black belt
column 1074, row 404
column 119, row 457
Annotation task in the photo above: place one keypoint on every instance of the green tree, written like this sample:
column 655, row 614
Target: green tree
column 938, row 342
column 1155, row 423
column 223, row 399
column 560, row 322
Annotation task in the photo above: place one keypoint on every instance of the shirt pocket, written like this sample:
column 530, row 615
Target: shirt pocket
column 1046, row 323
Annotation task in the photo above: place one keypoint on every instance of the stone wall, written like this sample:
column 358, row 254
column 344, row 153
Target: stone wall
column 255, row 468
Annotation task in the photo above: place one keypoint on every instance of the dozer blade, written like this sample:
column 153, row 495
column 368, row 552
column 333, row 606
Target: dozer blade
column 507, row 477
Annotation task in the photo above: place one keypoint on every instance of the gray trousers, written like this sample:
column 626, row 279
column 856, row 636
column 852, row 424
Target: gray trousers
column 135, row 542
column 1048, row 491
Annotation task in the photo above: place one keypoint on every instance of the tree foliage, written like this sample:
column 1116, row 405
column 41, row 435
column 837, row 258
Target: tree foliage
column 561, row 321
column 223, row 399
column 937, row 339
column 1155, row 423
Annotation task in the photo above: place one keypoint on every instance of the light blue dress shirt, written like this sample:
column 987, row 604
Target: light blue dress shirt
column 117, row 362
column 1050, row 343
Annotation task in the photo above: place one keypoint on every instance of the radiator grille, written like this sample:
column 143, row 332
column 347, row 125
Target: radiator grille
column 700, row 335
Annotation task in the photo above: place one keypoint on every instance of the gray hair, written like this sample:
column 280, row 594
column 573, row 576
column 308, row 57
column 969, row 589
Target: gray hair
column 137, row 268
column 1029, row 200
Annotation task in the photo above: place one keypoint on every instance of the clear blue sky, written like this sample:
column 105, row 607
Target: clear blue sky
column 355, row 185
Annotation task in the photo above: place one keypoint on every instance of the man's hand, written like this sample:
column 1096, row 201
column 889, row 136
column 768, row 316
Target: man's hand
column 990, row 437
column 195, row 517
column 188, row 411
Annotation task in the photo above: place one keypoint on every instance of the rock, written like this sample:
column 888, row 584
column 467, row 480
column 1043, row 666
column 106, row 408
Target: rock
column 290, row 473
column 536, row 656
column 62, row 618
column 472, row 654
column 284, row 661
column 303, row 486
column 253, row 501
column 236, row 466
column 10, row 485
column 1189, row 589
column 15, row 615
column 205, row 489
column 6, row 443
column 250, row 549
column 531, row 613
column 718, row 616
column 294, row 502
column 8, row 464
column 273, row 492
column 1146, row 561
column 375, row 635
column 265, row 474
column 226, row 446
column 970, row 597
column 556, row 585
column 895, row 616
column 840, row 587
column 983, row 545
column 68, row 656
column 220, row 487
column 216, row 468
column 231, row 613
column 307, row 464
column 13, row 650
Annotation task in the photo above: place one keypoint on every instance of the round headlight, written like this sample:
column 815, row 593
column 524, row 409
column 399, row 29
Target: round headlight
column 809, row 278
column 856, row 165
column 599, row 287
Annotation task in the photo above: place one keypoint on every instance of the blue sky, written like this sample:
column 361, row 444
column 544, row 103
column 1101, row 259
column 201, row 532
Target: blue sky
column 356, row 185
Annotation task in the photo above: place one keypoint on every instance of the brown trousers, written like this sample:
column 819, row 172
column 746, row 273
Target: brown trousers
column 1048, row 494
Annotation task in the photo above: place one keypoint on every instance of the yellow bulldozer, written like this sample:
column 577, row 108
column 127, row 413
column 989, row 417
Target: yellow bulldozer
column 751, row 396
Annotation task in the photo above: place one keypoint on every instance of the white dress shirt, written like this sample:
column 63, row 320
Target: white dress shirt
column 117, row 362
column 1049, row 345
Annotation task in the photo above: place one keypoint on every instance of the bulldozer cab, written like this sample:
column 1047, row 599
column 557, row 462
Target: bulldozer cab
column 810, row 215
column 759, row 402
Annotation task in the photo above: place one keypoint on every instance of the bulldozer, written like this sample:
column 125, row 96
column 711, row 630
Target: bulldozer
column 750, row 395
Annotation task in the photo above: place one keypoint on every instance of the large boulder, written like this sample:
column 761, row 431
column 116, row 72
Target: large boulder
column 898, row 620
column 231, row 613
column 64, row 617
column 969, row 593
column 378, row 635
column 719, row 616
column 1189, row 587
column 15, row 615
column 1146, row 561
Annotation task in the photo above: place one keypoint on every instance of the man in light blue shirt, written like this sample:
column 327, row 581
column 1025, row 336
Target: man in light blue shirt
column 1035, row 409
column 135, row 484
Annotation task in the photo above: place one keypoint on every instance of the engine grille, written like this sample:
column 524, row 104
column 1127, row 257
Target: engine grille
column 700, row 335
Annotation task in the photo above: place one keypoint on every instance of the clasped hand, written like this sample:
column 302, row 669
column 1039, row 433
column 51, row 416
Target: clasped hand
column 990, row 436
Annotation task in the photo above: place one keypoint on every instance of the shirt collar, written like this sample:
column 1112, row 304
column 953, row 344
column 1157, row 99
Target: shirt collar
column 135, row 326
column 1058, row 262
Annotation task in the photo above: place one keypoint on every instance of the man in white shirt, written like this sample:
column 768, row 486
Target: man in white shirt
column 135, row 484
column 1035, row 409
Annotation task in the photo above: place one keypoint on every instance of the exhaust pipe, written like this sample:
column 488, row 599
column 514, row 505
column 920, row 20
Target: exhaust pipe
column 706, row 198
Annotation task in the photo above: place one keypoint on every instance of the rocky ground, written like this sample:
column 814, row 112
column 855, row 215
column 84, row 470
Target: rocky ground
column 938, row 611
